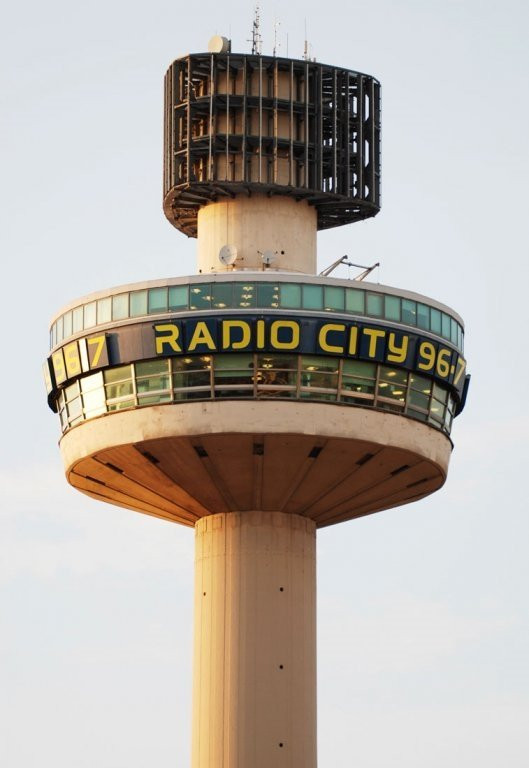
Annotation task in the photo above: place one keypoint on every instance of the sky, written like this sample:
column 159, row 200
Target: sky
column 423, row 611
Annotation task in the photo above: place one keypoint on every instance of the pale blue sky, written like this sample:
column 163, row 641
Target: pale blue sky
column 423, row 611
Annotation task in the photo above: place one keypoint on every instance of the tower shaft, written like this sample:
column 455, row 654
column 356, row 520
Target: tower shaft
column 254, row 692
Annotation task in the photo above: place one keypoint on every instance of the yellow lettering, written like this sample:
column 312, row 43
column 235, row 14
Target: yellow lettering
column 461, row 366
column 276, row 326
column 374, row 334
column 58, row 366
column 98, row 342
column 260, row 334
column 171, row 332
column 228, row 326
column 201, row 335
column 397, row 354
column 353, row 340
column 427, row 352
column 443, row 363
column 72, row 360
column 322, row 338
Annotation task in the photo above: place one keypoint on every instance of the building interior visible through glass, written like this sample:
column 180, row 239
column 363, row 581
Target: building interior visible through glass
column 257, row 376
column 261, row 295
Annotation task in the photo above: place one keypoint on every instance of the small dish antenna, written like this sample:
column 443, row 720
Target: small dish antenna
column 228, row 255
column 219, row 44
column 269, row 257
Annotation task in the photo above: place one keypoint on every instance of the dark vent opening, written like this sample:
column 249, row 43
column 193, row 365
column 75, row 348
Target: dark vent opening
column 150, row 457
column 201, row 451
column 115, row 468
column 258, row 449
column 399, row 470
column 94, row 480
column 364, row 459
column 315, row 452
column 418, row 482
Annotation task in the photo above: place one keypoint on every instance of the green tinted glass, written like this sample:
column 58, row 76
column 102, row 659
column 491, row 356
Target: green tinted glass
column 354, row 301
column 267, row 295
column 409, row 312
column 445, row 325
column 313, row 297
column 120, row 306
column 244, row 295
column 104, row 310
column 178, row 296
column 138, row 303
column 435, row 320
column 358, row 368
column 423, row 316
column 221, row 295
column 77, row 319
column 334, row 298
column 290, row 294
column 375, row 304
column 157, row 300
column 90, row 314
column 392, row 308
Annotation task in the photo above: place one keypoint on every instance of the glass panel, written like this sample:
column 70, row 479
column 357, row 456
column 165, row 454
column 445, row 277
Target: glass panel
column 67, row 325
column 445, row 325
column 222, row 295
column 119, row 389
column 394, row 375
column 157, row 300
column 423, row 316
column 313, row 297
column 319, row 372
column 420, row 383
column 358, row 368
column 90, row 314
column 152, row 375
column 280, row 362
column 459, row 337
column 453, row 331
column 192, row 379
column 439, row 393
column 138, row 303
column 104, row 310
column 290, row 295
column 267, row 295
column 418, row 399
column 392, row 308
column 234, row 369
column 393, row 391
column 319, row 364
column 409, row 312
column 94, row 402
column 60, row 333
column 120, row 406
column 77, row 319
column 120, row 306
column 435, row 320
column 160, row 397
column 313, row 394
column 71, row 392
column 354, row 301
column 178, row 296
column 89, row 383
column 375, row 304
column 334, row 298
column 356, row 384
column 201, row 362
column 74, row 408
column 244, row 295
column 53, row 339
column 437, row 410
column 117, row 374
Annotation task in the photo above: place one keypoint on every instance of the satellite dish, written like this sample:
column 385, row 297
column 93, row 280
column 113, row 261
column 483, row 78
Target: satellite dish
column 228, row 255
column 269, row 257
column 219, row 44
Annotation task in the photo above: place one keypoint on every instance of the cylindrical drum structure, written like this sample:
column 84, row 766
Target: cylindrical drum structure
column 255, row 641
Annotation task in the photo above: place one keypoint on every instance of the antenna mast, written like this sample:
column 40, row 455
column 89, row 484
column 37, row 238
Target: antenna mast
column 256, row 33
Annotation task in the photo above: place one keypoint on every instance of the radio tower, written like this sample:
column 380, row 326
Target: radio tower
column 256, row 401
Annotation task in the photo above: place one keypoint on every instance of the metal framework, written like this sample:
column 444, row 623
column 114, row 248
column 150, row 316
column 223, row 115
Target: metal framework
column 241, row 124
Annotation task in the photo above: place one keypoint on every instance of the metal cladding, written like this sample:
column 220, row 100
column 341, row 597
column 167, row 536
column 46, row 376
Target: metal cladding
column 244, row 124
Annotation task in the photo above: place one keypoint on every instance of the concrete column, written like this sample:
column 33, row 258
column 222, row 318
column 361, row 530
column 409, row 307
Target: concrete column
column 254, row 691
column 254, row 225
